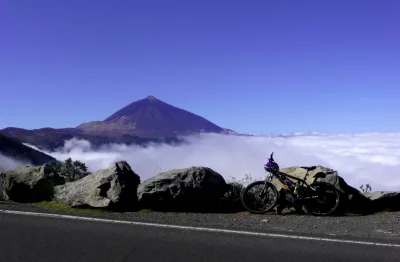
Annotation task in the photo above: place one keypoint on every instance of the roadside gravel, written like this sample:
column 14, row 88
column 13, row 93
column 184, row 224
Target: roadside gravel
column 382, row 226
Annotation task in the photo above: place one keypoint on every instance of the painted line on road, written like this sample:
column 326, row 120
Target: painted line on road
column 204, row 229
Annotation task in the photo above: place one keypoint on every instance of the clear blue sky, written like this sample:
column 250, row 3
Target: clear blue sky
column 253, row 66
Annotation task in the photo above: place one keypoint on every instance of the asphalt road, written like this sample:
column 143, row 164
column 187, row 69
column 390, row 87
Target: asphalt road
column 30, row 238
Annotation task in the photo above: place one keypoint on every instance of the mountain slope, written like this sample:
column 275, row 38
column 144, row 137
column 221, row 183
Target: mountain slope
column 51, row 139
column 151, row 117
column 16, row 150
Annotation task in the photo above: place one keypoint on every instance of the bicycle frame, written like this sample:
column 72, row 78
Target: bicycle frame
column 283, row 178
column 279, row 175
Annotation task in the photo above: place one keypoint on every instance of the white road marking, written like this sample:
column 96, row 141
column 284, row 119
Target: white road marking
column 204, row 229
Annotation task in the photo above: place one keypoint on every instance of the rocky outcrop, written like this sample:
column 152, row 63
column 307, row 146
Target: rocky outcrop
column 29, row 184
column 191, row 189
column 384, row 200
column 113, row 188
column 352, row 200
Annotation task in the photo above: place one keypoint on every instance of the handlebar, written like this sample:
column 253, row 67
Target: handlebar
column 271, row 157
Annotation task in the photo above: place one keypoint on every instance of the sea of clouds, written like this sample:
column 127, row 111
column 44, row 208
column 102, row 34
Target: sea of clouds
column 9, row 163
column 372, row 158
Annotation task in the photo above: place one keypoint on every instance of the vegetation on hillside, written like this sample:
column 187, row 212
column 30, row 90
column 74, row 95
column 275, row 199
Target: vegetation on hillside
column 367, row 188
column 70, row 170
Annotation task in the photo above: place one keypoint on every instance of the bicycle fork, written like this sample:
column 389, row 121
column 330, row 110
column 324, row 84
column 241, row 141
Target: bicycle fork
column 268, row 179
column 263, row 190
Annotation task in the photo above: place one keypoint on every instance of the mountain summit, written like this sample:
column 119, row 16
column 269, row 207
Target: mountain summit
column 151, row 117
column 151, row 98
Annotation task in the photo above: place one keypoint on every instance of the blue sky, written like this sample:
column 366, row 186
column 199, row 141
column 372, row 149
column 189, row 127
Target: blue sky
column 253, row 66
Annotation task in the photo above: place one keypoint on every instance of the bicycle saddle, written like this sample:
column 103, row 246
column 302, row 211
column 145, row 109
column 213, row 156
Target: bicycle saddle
column 308, row 168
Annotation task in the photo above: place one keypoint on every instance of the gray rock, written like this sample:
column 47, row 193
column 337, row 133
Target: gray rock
column 29, row 183
column 384, row 200
column 352, row 200
column 332, row 176
column 2, row 193
column 114, row 187
column 193, row 188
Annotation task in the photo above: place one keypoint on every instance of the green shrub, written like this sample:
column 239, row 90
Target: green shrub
column 366, row 189
column 70, row 170
column 230, row 201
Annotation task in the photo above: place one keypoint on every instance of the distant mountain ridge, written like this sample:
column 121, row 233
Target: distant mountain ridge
column 287, row 135
column 140, row 122
column 14, row 149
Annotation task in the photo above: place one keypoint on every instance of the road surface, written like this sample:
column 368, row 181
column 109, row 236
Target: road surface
column 32, row 238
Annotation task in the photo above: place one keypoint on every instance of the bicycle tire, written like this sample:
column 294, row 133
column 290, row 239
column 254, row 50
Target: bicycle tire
column 256, row 183
column 326, row 186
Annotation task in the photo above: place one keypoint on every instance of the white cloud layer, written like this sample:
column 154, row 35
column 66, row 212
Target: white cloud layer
column 9, row 163
column 360, row 159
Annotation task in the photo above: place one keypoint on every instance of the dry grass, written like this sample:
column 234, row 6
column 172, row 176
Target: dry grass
column 63, row 207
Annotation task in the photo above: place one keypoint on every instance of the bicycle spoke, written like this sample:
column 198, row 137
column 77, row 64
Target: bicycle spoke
column 322, row 201
column 256, row 202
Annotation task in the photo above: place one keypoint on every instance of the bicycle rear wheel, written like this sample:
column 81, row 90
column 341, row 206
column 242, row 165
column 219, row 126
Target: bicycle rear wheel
column 324, row 201
column 258, row 200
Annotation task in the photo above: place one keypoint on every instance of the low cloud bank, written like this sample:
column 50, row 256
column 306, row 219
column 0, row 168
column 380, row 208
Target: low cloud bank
column 360, row 159
column 7, row 163
column 372, row 158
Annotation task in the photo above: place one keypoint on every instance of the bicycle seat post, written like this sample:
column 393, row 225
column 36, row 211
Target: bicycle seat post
column 305, row 177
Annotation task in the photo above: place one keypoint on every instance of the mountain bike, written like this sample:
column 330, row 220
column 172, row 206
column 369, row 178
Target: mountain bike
column 318, row 198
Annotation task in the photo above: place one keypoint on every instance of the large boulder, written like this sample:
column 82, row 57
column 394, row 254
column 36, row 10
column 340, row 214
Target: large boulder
column 352, row 200
column 384, row 200
column 190, row 189
column 113, row 188
column 29, row 183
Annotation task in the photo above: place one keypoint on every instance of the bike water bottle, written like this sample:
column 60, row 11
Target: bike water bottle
column 296, row 189
column 290, row 184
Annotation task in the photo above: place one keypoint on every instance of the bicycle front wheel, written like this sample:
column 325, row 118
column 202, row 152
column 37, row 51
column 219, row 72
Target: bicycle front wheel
column 323, row 200
column 259, row 197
